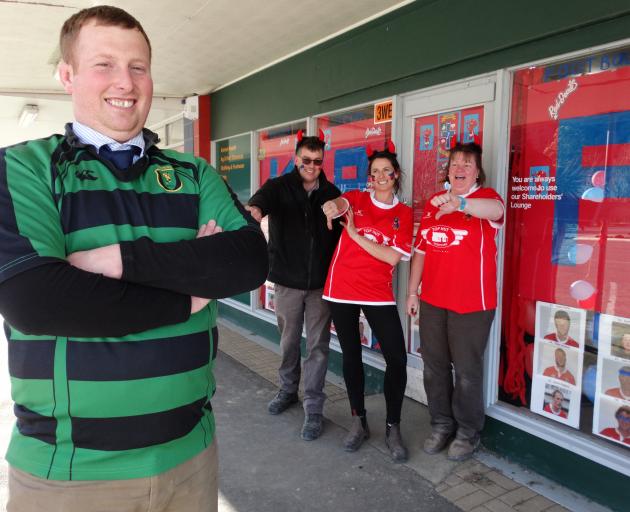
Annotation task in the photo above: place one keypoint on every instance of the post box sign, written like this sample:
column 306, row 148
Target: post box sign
column 383, row 112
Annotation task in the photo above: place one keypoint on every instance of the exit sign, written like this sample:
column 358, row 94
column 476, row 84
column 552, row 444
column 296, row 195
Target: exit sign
column 383, row 112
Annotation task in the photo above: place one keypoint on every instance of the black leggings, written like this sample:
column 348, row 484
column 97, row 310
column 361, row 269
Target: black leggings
column 385, row 323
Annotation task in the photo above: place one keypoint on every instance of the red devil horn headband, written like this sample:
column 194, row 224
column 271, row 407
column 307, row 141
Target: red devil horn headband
column 477, row 139
column 389, row 148
column 320, row 135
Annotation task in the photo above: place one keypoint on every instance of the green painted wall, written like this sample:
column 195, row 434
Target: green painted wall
column 425, row 43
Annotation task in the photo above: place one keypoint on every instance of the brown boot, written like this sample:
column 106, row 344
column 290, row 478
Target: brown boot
column 436, row 442
column 359, row 432
column 393, row 440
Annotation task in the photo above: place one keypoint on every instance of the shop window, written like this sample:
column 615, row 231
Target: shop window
column 566, row 301
column 347, row 136
column 233, row 162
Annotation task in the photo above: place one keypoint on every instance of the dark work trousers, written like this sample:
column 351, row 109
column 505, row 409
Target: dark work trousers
column 295, row 309
column 385, row 324
column 449, row 338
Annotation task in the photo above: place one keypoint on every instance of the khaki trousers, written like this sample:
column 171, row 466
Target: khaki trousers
column 295, row 308
column 190, row 487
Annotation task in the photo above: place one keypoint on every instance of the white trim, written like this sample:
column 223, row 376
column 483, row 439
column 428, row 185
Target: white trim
column 280, row 125
column 331, row 268
column 406, row 255
column 580, row 443
column 166, row 121
column 318, row 42
column 345, row 210
column 499, row 162
column 571, row 55
column 481, row 270
column 358, row 302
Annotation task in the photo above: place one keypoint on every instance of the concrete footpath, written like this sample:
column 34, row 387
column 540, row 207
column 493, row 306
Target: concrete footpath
column 266, row 467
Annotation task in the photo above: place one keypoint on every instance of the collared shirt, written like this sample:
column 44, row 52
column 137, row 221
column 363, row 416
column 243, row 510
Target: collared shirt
column 90, row 136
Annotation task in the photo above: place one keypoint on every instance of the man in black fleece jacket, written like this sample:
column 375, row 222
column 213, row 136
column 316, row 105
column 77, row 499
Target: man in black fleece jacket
column 300, row 250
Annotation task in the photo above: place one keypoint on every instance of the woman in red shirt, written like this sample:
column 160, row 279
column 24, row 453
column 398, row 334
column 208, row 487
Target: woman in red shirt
column 377, row 235
column 455, row 258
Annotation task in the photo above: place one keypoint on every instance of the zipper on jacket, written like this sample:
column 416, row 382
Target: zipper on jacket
column 310, row 250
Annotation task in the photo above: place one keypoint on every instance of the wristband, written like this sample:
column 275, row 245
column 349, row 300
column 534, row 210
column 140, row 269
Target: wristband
column 462, row 203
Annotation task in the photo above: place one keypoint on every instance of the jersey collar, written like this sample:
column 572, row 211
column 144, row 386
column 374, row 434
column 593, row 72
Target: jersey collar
column 384, row 206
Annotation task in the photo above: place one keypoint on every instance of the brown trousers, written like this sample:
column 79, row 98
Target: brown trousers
column 189, row 487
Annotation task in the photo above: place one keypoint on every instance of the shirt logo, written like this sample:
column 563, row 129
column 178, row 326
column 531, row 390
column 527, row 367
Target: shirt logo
column 85, row 174
column 167, row 178
column 374, row 235
column 443, row 236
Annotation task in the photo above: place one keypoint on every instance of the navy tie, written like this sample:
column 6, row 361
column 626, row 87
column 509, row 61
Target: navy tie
column 122, row 159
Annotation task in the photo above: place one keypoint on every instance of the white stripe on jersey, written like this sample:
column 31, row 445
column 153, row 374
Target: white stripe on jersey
column 483, row 292
column 332, row 265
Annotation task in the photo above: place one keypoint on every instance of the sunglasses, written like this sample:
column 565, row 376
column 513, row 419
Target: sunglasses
column 316, row 161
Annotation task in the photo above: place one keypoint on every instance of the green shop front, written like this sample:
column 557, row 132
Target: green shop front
column 545, row 88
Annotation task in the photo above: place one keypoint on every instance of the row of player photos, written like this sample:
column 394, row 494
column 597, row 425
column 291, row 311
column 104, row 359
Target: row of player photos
column 611, row 417
column 558, row 360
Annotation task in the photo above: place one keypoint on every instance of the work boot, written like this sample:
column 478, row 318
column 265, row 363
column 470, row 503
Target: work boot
column 281, row 402
column 393, row 440
column 462, row 449
column 436, row 442
column 313, row 425
column 359, row 432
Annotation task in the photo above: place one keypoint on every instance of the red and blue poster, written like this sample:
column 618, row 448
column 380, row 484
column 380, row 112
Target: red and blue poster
column 347, row 137
column 434, row 135
column 568, row 227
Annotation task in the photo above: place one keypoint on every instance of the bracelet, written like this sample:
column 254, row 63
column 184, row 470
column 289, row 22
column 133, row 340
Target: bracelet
column 462, row 203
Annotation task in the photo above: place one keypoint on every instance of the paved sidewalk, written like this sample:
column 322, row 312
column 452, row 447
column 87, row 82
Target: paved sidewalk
column 471, row 485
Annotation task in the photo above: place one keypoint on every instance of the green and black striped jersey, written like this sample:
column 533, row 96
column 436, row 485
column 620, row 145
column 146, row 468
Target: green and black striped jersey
column 107, row 408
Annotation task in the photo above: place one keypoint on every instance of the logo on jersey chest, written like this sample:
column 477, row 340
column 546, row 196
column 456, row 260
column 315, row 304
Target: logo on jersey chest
column 167, row 178
column 85, row 174
column 374, row 235
column 443, row 236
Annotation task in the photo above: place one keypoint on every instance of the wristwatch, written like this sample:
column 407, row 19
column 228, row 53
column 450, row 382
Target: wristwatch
column 462, row 203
